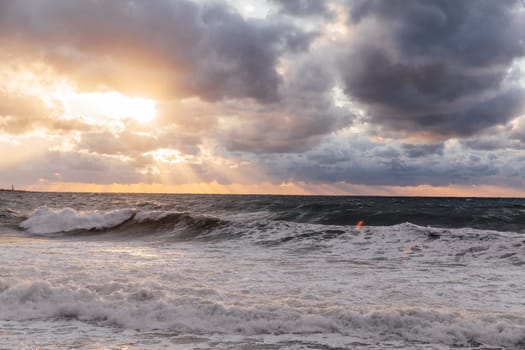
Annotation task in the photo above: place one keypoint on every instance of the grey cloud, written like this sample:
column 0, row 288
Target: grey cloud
column 386, row 152
column 303, row 7
column 486, row 144
column 355, row 159
column 403, row 87
column 470, row 32
column 393, row 172
column 435, row 66
column 423, row 150
column 364, row 163
column 509, row 137
column 175, row 48
column 299, row 121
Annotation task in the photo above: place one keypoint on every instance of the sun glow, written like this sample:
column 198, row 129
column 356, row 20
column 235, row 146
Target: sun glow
column 111, row 105
column 171, row 156
column 56, row 91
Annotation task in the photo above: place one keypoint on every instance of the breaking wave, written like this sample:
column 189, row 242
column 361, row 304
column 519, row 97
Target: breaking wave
column 46, row 221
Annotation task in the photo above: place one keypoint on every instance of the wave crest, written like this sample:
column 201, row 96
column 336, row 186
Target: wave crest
column 47, row 221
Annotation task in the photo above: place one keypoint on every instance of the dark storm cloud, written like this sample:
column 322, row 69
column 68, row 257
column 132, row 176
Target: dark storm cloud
column 174, row 48
column 303, row 7
column 435, row 66
column 473, row 32
column 298, row 122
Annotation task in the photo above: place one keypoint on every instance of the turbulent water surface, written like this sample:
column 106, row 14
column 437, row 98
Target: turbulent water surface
column 91, row 271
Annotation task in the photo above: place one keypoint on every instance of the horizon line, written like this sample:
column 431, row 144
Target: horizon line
column 260, row 194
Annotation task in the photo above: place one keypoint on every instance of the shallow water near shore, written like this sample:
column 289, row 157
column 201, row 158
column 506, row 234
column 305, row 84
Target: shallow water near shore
column 90, row 271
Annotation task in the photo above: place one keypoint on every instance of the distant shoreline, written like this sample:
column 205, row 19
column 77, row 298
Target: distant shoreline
column 8, row 190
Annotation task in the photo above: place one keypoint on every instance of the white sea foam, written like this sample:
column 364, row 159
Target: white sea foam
column 234, row 289
column 45, row 220
column 145, row 307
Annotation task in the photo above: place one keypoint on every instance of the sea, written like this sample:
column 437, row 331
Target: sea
column 170, row 271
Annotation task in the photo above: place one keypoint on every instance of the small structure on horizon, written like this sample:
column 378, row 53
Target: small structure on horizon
column 13, row 188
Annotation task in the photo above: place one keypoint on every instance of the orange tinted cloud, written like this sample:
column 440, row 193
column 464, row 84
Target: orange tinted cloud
column 165, row 48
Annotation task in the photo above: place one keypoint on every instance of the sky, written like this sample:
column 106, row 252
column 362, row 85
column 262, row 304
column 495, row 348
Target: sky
column 359, row 97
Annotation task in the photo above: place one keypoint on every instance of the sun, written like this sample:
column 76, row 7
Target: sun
column 111, row 105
